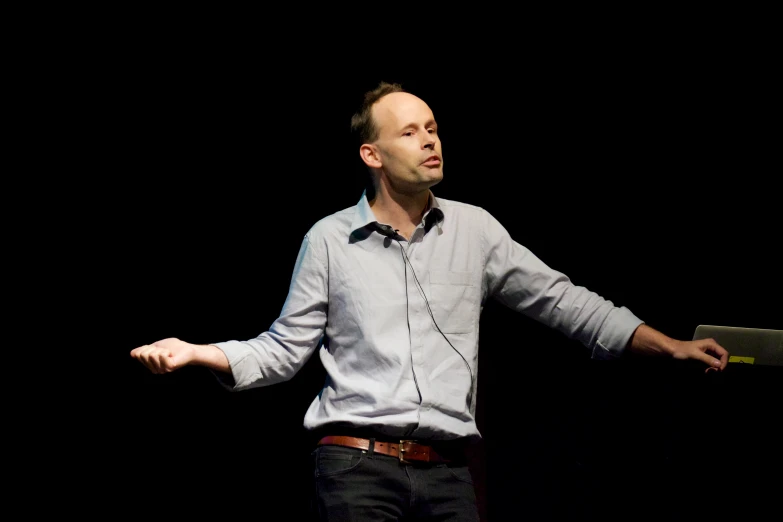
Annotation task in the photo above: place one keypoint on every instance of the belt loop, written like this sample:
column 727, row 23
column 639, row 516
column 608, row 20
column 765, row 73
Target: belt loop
column 371, row 448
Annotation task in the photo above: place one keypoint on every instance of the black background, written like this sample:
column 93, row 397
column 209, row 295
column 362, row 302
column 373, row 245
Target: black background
column 644, row 172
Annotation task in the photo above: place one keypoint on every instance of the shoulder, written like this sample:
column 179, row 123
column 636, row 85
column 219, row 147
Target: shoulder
column 465, row 213
column 458, row 207
column 332, row 227
column 473, row 221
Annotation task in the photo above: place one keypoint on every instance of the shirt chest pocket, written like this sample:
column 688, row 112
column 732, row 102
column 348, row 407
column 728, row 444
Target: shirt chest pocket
column 454, row 300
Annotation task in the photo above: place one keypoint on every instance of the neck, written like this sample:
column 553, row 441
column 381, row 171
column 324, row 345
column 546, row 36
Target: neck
column 401, row 211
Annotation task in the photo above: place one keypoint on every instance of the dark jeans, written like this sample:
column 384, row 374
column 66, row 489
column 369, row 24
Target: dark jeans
column 355, row 485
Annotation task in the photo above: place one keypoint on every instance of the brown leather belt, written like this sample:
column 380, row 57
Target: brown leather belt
column 404, row 450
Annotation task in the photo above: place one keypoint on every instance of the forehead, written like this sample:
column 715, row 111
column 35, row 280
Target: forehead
column 399, row 109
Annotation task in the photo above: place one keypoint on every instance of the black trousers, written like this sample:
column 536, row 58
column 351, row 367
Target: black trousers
column 357, row 485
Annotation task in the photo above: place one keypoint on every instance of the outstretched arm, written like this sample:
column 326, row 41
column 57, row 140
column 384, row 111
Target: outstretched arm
column 273, row 356
column 648, row 341
column 521, row 281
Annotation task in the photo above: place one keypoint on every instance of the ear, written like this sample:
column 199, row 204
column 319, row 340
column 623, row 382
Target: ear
column 370, row 156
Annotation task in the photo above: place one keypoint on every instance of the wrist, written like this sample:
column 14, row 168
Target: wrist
column 648, row 341
column 210, row 356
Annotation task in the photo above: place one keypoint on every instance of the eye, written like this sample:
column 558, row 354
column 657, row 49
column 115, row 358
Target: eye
column 432, row 131
column 409, row 133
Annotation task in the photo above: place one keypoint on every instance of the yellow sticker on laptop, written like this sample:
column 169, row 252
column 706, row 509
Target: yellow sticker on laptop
column 738, row 359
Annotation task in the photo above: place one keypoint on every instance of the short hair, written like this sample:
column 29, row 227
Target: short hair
column 362, row 123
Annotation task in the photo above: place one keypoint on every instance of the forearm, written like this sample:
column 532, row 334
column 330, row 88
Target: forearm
column 648, row 341
column 210, row 356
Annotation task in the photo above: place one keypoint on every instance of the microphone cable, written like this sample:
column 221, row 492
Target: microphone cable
column 405, row 259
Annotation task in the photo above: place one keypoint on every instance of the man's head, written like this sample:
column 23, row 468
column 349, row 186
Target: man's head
column 399, row 140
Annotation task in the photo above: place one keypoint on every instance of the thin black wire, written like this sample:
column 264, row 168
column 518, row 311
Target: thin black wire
column 426, row 301
column 408, row 318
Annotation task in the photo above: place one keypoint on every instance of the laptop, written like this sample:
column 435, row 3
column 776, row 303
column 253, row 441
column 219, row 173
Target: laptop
column 746, row 345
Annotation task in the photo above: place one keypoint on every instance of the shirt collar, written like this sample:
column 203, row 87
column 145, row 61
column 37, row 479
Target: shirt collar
column 433, row 216
column 364, row 215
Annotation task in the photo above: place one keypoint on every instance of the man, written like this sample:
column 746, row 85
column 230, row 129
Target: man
column 390, row 292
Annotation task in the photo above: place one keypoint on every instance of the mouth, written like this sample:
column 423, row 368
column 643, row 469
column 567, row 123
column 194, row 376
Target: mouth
column 432, row 161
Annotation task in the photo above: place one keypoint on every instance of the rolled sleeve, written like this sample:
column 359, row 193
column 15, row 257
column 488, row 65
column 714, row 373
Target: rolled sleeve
column 523, row 282
column 277, row 354
column 242, row 369
column 615, row 333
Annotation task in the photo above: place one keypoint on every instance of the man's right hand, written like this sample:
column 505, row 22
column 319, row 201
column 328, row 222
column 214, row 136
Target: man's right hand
column 165, row 355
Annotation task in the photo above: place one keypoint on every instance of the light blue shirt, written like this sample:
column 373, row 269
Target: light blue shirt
column 390, row 365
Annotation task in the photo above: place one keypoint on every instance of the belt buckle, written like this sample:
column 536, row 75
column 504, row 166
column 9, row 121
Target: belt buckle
column 401, row 452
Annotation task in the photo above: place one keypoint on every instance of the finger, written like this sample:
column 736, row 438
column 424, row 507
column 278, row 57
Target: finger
column 141, row 354
column 136, row 351
column 708, row 359
column 149, row 356
column 159, row 358
column 166, row 361
column 719, row 353
column 724, row 357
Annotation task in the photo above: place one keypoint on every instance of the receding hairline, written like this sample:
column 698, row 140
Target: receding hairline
column 379, row 105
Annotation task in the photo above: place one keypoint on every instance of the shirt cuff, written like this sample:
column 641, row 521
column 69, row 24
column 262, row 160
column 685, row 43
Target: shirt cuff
column 242, row 371
column 615, row 334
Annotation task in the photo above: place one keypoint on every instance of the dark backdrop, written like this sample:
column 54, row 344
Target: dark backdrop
column 648, row 180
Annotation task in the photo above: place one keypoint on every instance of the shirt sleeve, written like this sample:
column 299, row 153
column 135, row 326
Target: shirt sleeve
column 277, row 354
column 517, row 278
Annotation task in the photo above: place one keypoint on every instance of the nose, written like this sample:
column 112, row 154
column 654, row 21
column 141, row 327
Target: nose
column 429, row 141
